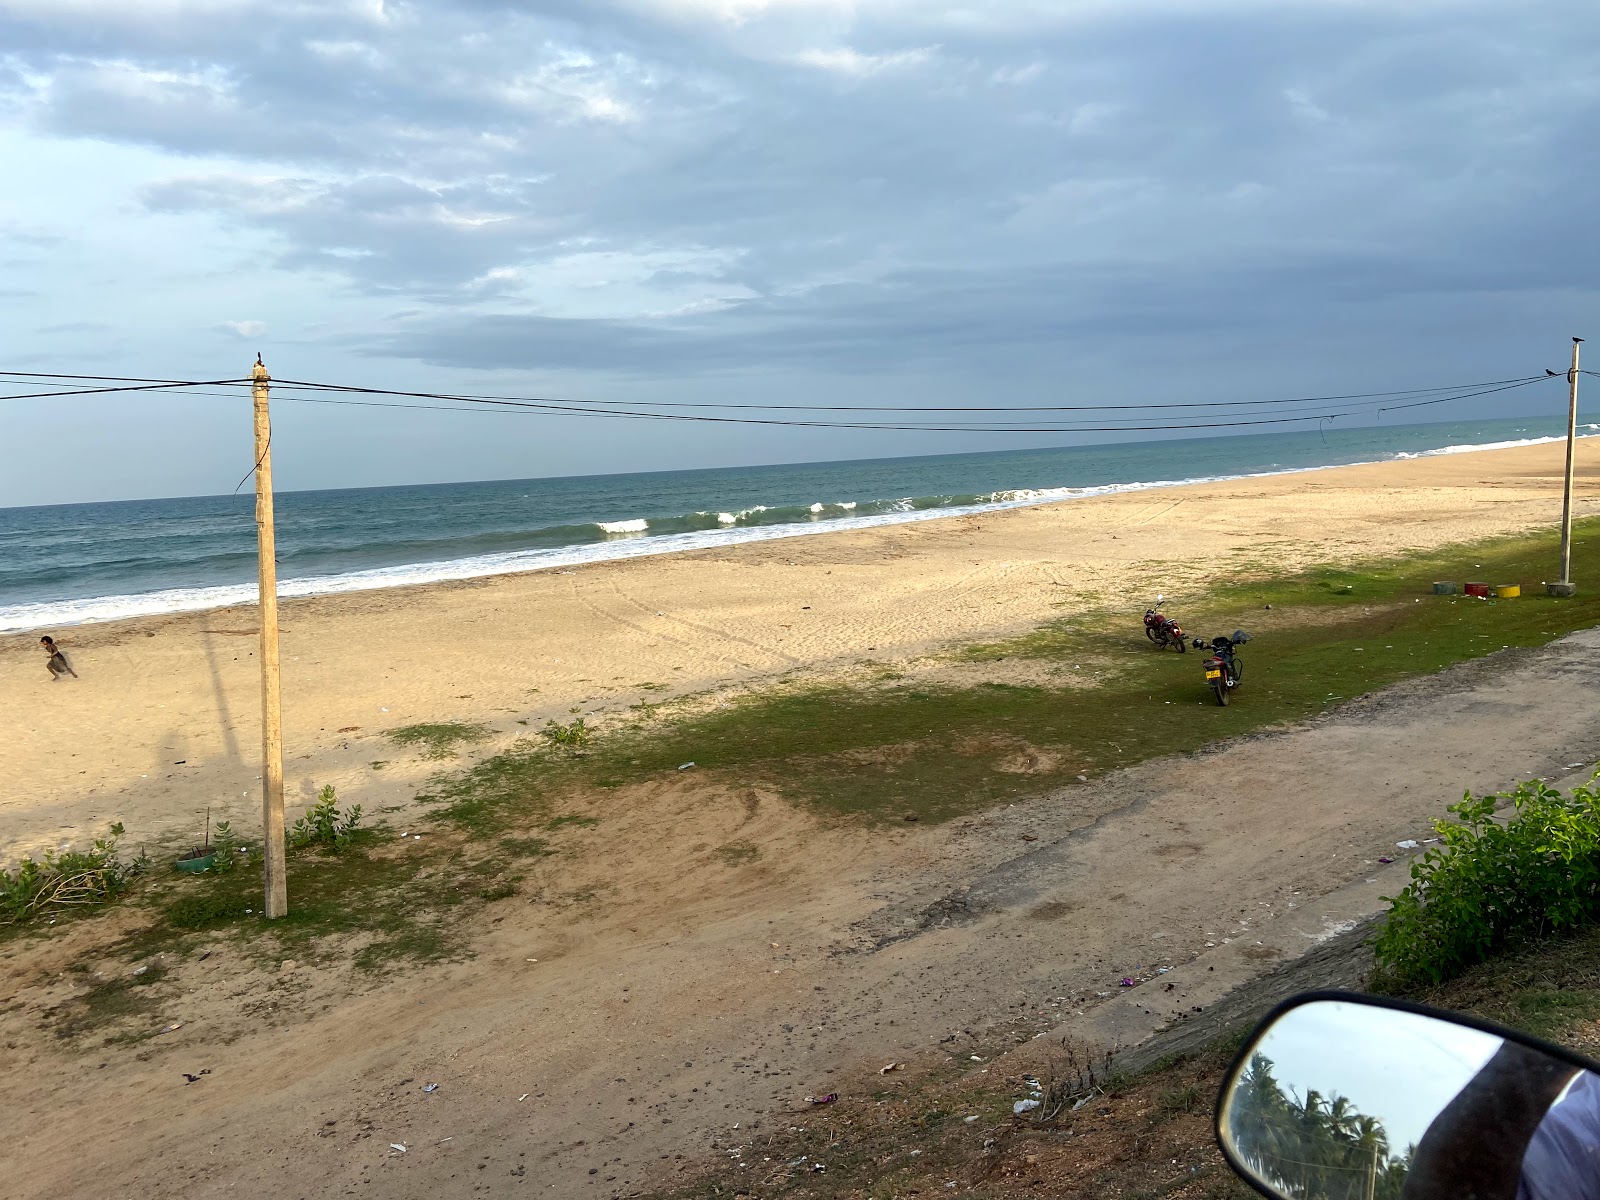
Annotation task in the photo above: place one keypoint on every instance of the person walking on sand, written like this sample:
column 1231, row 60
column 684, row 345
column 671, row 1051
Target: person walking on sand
column 57, row 663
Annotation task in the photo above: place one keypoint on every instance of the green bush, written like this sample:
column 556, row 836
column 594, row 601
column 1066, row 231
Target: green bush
column 325, row 825
column 72, row 879
column 225, row 847
column 1494, row 881
column 573, row 736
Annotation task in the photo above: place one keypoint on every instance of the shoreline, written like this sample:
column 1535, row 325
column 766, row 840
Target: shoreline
column 97, row 610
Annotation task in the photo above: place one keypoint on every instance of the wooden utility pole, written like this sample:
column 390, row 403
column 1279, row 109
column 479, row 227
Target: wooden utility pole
column 272, row 851
column 1566, row 587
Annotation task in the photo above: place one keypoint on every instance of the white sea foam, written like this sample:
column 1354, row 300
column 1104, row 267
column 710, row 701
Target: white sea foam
column 816, row 507
column 1468, row 449
column 849, row 505
column 16, row 617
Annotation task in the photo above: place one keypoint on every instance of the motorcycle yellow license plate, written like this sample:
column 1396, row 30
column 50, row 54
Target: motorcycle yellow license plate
column 1213, row 674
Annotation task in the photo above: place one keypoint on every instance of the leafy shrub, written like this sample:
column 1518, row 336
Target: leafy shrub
column 326, row 825
column 72, row 879
column 573, row 736
column 1493, row 882
column 225, row 845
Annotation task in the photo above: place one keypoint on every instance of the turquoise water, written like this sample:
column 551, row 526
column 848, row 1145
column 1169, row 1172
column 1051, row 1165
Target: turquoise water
column 62, row 564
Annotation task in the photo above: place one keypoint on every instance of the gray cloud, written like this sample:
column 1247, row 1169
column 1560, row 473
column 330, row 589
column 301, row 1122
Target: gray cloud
column 641, row 186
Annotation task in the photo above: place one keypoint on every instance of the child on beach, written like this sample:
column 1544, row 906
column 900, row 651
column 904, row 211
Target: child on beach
column 57, row 663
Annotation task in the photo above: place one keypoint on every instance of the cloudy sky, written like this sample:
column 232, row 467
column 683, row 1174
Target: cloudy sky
column 891, row 201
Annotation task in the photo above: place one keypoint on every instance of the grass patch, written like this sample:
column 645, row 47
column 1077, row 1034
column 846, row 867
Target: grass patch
column 1550, row 989
column 133, row 995
column 526, row 847
column 574, row 819
column 439, row 740
column 489, row 796
column 896, row 749
column 736, row 854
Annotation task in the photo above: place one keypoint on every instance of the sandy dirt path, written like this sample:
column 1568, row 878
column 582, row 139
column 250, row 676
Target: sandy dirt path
column 700, row 1001
column 164, row 721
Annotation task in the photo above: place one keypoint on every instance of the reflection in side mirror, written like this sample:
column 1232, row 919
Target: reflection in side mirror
column 1343, row 1097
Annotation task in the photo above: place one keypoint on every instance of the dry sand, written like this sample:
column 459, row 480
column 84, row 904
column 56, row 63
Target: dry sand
column 676, row 1001
column 164, row 721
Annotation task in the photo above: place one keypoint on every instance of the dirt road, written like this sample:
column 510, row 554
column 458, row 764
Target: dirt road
column 584, row 1050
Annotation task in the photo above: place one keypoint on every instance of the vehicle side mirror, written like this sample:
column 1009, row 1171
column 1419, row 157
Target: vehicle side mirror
column 1338, row 1096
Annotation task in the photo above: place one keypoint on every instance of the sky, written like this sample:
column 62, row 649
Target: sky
column 770, row 201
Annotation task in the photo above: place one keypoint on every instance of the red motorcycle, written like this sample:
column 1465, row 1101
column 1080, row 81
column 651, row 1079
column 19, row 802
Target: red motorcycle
column 1162, row 629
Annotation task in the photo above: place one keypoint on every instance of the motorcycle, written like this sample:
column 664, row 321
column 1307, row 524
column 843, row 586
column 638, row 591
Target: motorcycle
column 1162, row 629
column 1222, row 666
column 1343, row 1096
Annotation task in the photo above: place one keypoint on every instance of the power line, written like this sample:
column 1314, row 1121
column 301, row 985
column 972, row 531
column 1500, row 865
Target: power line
column 563, row 408
column 1380, row 401
column 165, row 385
column 472, row 397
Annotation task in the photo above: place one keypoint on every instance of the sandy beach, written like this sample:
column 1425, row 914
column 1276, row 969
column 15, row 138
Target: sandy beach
column 164, row 720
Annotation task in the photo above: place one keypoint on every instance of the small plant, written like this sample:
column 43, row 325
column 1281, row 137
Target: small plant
column 326, row 825
column 1493, row 882
column 225, row 845
column 71, row 879
column 571, row 737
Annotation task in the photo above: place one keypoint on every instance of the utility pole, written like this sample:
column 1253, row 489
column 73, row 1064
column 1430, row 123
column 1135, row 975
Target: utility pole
column 271, row 714
column 1566, row 587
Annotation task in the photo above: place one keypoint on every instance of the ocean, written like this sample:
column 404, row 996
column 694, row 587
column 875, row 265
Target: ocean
column 66, row 564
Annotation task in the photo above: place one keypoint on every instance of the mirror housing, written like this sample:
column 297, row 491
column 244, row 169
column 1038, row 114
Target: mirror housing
column 1342, row 1096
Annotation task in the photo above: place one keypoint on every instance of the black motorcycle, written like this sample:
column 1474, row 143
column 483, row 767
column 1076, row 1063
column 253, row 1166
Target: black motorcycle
column 1222, row 666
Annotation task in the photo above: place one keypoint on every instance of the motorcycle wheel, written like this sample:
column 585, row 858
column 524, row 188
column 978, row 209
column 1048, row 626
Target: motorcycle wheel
column 1220, row 687
column 1238, row 672
column 1182, row 645
column 1150, row 633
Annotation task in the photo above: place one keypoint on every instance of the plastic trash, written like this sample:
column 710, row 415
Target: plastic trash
column 430, row 1088
column 969, row 1120
column 828, row 1099
column 1408, row 844
column 1022, row 1106
column 1384, row 858
column 686, row 766
column 1126, row 982
column 399, row 1146
column 884, row 1070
